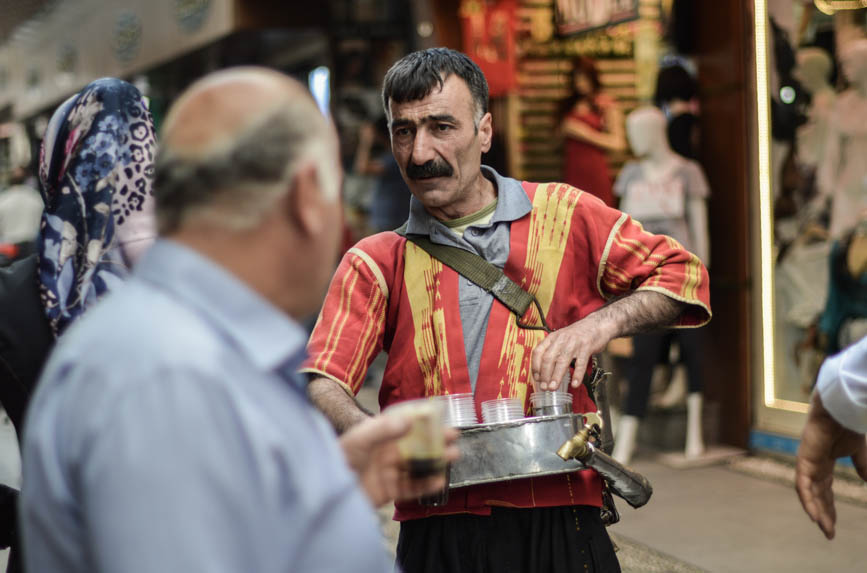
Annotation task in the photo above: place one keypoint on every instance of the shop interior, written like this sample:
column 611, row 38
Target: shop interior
column 813, row 199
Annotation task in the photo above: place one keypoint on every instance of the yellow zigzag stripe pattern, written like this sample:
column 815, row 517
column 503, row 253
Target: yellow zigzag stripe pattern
column 550, row 224
column 431, row 345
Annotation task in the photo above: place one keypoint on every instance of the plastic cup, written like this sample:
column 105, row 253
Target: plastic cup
column 460, row 410
column 502, row 410
column 549, row 403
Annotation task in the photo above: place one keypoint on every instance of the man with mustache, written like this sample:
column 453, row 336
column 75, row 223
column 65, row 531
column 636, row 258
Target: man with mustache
column 594, row 272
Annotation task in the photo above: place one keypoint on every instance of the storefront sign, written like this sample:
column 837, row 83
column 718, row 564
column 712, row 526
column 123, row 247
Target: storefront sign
column 617, row 42
column 577, row 16
column 489, row 39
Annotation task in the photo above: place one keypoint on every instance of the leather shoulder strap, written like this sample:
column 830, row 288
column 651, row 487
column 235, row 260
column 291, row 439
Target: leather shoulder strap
column 480, row 272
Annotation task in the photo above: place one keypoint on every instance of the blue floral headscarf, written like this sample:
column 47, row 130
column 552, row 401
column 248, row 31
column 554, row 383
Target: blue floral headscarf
column 96, row 172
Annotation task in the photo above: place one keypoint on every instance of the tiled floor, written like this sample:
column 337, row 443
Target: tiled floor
column 724, row 520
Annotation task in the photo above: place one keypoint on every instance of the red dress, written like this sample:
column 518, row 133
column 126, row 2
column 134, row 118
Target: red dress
column 585, row 165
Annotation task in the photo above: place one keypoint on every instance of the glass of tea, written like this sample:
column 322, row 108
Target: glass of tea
column 423, row 447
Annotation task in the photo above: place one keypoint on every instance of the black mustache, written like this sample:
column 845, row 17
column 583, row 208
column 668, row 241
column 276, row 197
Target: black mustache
column 428, row 169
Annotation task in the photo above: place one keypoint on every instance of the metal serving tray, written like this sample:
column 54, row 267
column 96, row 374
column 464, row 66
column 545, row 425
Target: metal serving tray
column 513, row 450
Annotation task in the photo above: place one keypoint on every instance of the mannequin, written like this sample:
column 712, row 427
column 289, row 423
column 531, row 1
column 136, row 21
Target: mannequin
column 842, row 173
column 667, row 193
column 814, row 72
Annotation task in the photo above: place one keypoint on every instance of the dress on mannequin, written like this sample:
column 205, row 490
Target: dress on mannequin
column 842, row 175
column 667, row 193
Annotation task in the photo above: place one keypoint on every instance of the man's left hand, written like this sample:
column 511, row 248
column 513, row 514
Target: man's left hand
column 371, row 451
column 822, row 442
column 579, row 341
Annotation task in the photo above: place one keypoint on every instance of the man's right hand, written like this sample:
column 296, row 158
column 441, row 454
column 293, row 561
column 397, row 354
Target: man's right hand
column 371, row 451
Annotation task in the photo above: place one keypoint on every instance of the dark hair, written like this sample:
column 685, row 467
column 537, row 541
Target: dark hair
column 414, row 77
column 586, row 66
column 674, row 82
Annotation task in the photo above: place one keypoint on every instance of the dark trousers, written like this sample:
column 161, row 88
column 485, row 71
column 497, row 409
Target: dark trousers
column 646, row 352
column 536, row 540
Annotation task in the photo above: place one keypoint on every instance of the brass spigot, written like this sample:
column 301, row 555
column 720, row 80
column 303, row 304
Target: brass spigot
column 576, row 446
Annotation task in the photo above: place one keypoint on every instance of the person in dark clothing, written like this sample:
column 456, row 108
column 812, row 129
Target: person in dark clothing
column 389, row 203
column 676, row 92
column 96, row 170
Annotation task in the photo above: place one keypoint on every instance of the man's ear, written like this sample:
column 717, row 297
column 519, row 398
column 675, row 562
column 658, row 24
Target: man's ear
column 304, row 200
column 486, row 132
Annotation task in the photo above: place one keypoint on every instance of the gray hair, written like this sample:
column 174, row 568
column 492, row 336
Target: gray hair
column 236, row 184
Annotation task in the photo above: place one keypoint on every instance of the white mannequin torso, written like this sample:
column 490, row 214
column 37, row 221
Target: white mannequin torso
column 663, row 190
column 842, row 172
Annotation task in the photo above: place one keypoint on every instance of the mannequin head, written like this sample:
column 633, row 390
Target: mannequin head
column 813, row 69
column 646, row 132
column 853, row 58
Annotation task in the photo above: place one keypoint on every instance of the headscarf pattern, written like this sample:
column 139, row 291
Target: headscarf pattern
column 96, row 172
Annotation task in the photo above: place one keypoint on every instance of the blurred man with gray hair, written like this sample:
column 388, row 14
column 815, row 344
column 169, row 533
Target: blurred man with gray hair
column 170, row 431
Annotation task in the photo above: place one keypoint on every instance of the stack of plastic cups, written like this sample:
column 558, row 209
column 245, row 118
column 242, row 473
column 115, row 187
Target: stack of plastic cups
column 502, row 410
column 460, row 410
column 553, row 403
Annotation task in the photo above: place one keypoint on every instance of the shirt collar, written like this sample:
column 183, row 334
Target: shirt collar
column 264, row 333
column 512, row 204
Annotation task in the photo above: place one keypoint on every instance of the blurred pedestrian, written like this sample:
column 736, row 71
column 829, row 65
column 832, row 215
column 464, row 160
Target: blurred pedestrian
column 96, row 170
column 170, row 430
column 20, row 213
column 389, row 203
column 836, row 428
column 676, row 95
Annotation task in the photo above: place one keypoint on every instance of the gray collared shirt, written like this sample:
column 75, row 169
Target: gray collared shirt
column 490, row 241
column 168, row 434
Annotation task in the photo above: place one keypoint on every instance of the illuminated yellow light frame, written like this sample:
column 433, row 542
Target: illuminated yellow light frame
column 766, row 237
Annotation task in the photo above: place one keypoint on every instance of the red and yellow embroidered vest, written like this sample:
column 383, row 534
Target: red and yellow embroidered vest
column 424, row 340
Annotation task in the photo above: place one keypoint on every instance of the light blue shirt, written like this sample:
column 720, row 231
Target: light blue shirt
column 168, row 434
column 488, row 240
column 842, row 385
